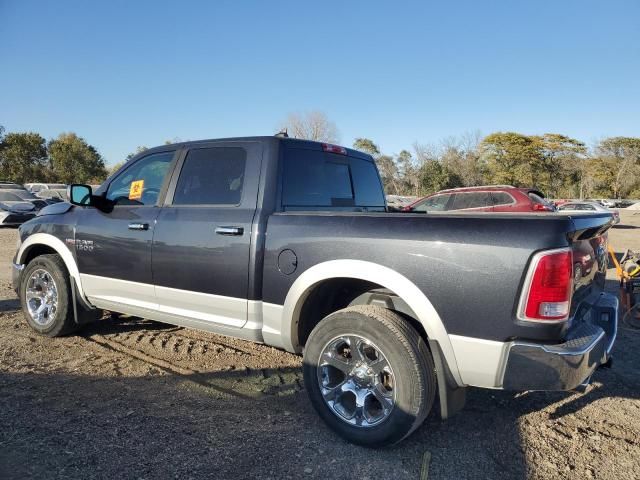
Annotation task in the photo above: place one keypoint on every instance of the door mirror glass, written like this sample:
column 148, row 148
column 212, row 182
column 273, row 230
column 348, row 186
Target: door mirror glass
column 80, row 195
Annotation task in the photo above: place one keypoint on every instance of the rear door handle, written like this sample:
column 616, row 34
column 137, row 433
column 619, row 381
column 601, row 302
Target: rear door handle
column 229, row 230
column 138, row 226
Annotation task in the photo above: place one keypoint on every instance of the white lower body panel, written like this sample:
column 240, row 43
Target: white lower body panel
column 235, row 317
column 481, row 363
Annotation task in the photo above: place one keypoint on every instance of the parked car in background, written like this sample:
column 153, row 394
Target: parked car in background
column 53, row 195
column 396, row 203
column 584, row 206
column 490, row 198
column 26, row 196
column 38, row 187
column 626, row 203
column 4, row 185
column 13, row 210
column 607, row 203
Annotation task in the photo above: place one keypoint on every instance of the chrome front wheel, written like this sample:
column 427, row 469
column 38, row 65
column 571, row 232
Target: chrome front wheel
column 42, row 297
column 46, row 297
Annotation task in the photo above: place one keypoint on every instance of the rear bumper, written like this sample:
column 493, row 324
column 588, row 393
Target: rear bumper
column 565, row 366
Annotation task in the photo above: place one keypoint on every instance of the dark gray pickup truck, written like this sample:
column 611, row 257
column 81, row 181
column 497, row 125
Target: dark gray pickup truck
column 288, row 242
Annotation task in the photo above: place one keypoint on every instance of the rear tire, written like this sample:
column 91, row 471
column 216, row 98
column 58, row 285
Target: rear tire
column 362, row 401
column 45, row 296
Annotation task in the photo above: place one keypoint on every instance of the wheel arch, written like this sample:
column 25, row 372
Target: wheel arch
column 41, row 243
column 385, row 277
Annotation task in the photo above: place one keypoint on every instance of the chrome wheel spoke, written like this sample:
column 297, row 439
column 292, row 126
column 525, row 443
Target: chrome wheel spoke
column 330, row 393
column 384, row 398
column 336, row 361
column 356, row 345
column 31, row 294
column 359, row 416
column 378, row 366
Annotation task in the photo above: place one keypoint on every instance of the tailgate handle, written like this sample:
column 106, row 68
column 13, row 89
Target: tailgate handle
column 138, row 226
column 229, row 230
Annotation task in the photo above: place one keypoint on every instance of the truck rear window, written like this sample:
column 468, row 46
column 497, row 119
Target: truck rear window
column 313, row 178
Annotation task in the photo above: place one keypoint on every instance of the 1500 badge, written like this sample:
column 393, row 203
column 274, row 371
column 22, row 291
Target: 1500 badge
column 81, row 245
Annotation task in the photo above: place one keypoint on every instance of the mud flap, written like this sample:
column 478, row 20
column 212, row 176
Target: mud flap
column 452, row 397
column 83, row 313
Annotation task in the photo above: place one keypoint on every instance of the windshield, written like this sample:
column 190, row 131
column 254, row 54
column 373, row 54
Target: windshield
column 24, row 195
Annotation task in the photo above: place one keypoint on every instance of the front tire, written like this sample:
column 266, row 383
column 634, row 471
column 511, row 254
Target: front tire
column 369, row 375
column 45, row 296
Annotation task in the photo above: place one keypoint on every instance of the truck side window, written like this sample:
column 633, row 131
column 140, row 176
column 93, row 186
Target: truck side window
column 211, row 176
column 140, row 184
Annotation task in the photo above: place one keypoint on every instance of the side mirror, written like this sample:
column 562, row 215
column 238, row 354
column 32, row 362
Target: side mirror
column 80, row 195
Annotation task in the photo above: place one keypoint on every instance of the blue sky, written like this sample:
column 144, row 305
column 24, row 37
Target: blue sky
column 128, row 73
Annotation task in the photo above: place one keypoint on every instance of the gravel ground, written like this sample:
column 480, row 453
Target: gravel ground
column 129, row 398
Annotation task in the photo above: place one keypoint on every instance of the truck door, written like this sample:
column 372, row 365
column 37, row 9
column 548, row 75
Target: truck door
column 201, row 246
column 113, row 248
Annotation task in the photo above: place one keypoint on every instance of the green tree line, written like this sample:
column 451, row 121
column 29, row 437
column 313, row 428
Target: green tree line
column 560, row 166
column 68, row 158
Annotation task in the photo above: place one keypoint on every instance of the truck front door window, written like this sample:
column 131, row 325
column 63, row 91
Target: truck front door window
column 140, row 184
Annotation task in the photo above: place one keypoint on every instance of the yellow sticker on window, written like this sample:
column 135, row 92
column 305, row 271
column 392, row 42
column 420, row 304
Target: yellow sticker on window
column 135, row 191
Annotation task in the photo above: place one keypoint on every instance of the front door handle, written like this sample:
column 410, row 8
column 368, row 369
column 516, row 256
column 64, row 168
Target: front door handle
column 138, row 226
column 229, row 230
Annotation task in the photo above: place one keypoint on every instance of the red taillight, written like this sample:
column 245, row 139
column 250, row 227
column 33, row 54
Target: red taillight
column 538, row 207
column 327, row 147
column 548, row 290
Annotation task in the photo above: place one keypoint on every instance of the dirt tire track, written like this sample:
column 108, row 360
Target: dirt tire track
column 175, row 351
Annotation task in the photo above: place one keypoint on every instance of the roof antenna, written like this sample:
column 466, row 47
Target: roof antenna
column 282, row 133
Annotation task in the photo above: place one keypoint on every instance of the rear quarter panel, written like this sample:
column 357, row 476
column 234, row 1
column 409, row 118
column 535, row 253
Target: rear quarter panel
column 470, row 266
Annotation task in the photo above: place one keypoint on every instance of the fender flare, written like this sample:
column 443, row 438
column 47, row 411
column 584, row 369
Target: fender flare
column 372, row 272
column 60, row 248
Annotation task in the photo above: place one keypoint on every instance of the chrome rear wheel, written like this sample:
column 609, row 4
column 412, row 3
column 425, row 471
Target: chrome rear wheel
column 356, row 380
column 369, row 374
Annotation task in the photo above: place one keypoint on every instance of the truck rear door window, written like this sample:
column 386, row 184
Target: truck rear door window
column 211, row 176
column 320, row 179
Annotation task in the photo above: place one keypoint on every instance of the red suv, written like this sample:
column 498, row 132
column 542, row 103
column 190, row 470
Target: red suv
column 491, row 198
